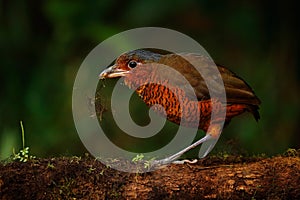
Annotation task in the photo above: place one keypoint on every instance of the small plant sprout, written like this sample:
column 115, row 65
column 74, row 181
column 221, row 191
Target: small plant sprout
column 137, row 158
column 140, row 158
column 23, row 154
column 148, row 163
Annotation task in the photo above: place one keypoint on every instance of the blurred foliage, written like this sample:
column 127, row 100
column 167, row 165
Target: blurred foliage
column 44, row 42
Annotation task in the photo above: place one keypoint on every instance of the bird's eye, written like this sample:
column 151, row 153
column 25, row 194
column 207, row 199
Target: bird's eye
column 132, row 64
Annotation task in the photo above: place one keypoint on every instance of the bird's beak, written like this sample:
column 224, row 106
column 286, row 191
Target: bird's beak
column 112, row 72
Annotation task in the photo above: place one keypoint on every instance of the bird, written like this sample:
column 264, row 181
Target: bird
column 172, row 81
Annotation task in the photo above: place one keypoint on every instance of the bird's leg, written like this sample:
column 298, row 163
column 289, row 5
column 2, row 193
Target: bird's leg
column 208, row 142
column 214, row 131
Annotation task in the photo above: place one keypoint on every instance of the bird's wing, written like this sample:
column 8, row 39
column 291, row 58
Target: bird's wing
column 237, row 90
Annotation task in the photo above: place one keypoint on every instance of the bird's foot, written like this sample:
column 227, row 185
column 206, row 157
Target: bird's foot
column 156, row 164
column 173, row 158
column 185, row 161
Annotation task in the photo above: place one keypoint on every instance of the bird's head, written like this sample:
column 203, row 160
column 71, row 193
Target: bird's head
column 135, row 66
column 129, row 62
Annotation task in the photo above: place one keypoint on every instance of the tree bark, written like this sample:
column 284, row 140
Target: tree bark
column 275, row 178
column 209, row 178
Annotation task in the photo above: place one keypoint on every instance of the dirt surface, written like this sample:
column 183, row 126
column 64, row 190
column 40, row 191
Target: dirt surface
column 210, row 178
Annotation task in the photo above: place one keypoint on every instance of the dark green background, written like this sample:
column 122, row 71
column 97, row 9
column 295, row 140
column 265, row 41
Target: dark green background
column 43, row 45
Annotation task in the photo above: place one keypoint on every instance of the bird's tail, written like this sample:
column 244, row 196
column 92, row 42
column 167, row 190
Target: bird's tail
column 254, row 110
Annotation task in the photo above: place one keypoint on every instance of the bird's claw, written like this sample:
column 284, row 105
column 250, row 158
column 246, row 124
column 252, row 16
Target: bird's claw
column 163, row 162
column 185, row 161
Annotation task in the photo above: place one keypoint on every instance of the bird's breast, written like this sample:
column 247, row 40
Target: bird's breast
column 176, row 106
